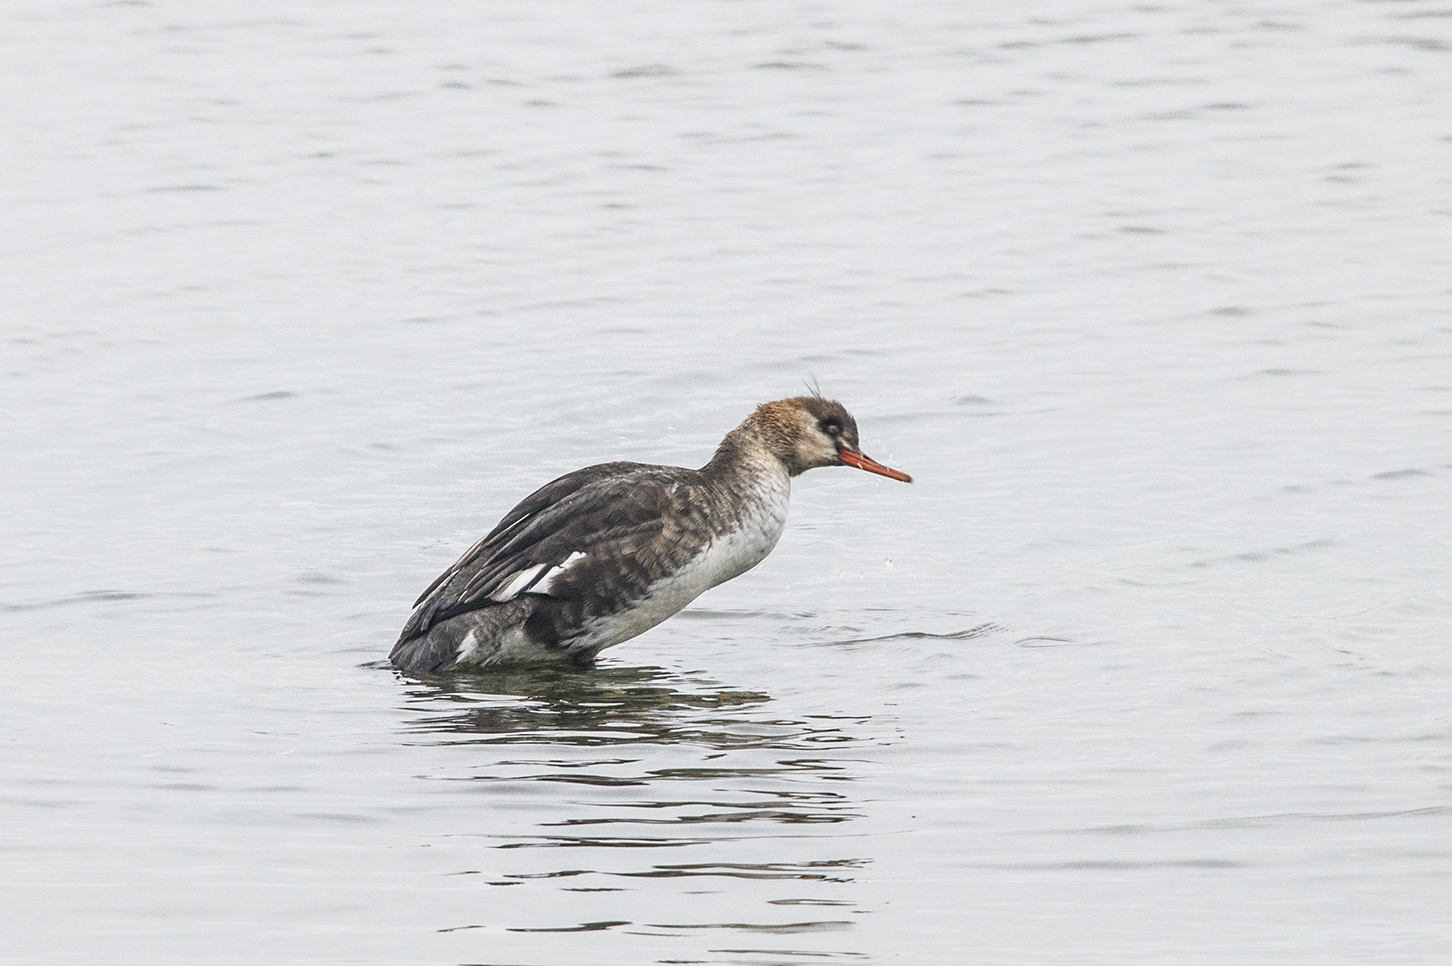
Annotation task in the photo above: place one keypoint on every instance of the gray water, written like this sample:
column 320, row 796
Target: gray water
column 1151, row 665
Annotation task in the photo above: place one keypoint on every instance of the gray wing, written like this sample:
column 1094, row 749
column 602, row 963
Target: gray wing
column 562, row 541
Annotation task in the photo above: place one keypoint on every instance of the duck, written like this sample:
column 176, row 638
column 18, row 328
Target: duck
column 605, row 553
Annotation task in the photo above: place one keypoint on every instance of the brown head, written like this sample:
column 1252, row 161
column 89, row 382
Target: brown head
column 808, row 431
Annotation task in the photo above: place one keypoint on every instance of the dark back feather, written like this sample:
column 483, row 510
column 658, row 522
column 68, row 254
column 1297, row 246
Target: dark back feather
column 617, row 503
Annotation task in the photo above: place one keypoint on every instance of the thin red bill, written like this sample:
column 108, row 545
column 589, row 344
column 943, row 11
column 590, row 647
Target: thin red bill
column 864, row 462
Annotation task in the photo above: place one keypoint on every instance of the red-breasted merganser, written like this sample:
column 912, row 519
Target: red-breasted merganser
column 608, row 552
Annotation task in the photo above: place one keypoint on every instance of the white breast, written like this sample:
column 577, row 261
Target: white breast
column 727, row 556
column 745, row 547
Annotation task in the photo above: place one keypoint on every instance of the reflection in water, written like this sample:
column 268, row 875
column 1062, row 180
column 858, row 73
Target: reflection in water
column 604, row 706
column 617, row 769
column 831, row 870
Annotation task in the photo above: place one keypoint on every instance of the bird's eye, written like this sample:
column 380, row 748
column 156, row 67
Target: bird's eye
column 831, row 428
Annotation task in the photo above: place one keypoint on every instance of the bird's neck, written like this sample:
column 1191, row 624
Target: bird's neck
column 745, row 458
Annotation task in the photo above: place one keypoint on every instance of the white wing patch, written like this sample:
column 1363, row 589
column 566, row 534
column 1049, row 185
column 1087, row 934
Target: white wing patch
column 518, row 583
column 534, row 580
column 543, row 587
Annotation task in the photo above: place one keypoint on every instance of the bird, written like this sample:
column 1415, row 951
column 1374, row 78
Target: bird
column 607, row 552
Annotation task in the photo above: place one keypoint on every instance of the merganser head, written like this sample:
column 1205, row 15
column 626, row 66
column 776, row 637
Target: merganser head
column 808, row 431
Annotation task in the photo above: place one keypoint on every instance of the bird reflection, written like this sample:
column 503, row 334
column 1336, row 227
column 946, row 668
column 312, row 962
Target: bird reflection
column 603, row 706
column 624, row 779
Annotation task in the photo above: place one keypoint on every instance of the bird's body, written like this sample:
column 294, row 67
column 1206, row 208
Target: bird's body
column 605, row 553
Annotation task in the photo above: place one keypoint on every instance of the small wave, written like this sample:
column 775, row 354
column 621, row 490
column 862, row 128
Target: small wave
column 982, row 630
column 645, row 70
column 583, row 927
column 90, row 597
column 268, row 396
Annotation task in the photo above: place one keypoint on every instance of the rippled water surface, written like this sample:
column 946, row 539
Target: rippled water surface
column 1151, row 665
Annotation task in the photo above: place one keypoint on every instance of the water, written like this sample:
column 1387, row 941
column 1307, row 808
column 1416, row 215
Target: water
column 1150, row 665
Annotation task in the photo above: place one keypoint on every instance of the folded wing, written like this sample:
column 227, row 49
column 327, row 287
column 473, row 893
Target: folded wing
column 558, row 542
